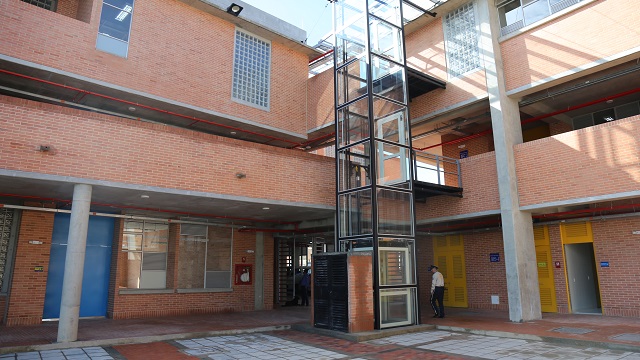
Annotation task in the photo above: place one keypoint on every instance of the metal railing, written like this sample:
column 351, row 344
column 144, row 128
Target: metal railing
column 436, row 169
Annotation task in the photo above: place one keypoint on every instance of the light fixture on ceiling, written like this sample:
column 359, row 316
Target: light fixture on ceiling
column 234, row 9
column 265, row 208
column 131, row 108
column 144, row 196
column 233, row 133
column 609, row 101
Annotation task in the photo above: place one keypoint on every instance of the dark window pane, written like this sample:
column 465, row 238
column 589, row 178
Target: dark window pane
column 115, row 23
column 604, row 116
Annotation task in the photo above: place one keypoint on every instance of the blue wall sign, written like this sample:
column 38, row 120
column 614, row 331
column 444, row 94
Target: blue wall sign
column 604, row 264
column 494, row 257
column 464, row 154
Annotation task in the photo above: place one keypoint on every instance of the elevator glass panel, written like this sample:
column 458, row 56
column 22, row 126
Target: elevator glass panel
column 354, row 164
column 395, row 212
column 392, row 165
column 353, row 123
column 355, row 213
column 388, row 79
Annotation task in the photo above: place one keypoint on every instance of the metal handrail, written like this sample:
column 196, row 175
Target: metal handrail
column 434, row 168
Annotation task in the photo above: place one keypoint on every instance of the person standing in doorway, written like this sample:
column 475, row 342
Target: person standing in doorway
column 437, row 292
column 305, row 284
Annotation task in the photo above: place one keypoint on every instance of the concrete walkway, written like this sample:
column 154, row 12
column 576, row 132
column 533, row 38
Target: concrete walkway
column 464, row 333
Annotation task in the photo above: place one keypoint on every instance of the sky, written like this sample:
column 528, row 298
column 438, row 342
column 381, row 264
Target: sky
column 314, row 16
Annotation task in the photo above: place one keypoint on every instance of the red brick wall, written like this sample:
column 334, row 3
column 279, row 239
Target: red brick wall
column 28, row 287
column 175, row 52
column 475, row 146
column 426, row 52
column 361, row 312
column 424, row 258
column 614, row 242
column 559, row 127
column 89, row 145
column 588, row 162
column 485, row 278
column 480, row 184
column 68, row 8
column 556, row 46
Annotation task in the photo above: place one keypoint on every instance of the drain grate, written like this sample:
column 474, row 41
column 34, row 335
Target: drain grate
column 569, row 330
column 627, row 337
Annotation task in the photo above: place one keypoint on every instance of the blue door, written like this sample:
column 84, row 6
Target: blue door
column 97, row 263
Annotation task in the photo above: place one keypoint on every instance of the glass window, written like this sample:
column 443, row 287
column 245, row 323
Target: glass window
column 536, row 11
column 604, row 116
column 7, row 242
column 355, row 211
column 45, row 4
column 204, row 260
column 144, row 252
column 461, row 41
column 115, row 25
column 395, row 212
column 519, row 13
column 251, row 70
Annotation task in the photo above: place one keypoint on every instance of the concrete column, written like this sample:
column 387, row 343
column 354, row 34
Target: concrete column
column 258, row 277
column 74, row 264
column 517, row 227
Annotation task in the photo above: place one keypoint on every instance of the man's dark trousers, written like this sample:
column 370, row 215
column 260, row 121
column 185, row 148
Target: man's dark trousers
column 438, row 295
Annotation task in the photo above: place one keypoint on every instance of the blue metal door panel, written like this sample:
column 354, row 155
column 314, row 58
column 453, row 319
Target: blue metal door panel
column 97, row 264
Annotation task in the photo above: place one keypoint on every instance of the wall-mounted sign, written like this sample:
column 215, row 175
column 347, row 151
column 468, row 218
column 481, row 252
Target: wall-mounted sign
column 542, row 264
column 464, row 154
column 494, row 257
column 636, row 232
column 38, row 268
column 243, row 274
column 557, row 264
column 604, row 264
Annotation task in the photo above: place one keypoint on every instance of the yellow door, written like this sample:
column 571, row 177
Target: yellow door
column 449, row 258
column 545, row 270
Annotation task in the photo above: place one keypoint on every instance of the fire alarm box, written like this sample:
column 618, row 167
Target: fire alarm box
column 243, row 275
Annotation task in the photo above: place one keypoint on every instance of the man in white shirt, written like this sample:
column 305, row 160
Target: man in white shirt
column 437, row 292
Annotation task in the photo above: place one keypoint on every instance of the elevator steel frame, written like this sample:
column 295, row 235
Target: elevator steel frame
column 374, row 176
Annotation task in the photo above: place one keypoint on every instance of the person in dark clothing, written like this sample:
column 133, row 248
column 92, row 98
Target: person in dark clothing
column 305, row 285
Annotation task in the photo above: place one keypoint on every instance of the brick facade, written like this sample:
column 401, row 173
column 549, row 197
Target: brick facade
column 361, row 308
column 95, row 146
column 28, row 285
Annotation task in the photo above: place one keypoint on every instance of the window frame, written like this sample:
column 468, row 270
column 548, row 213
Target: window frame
column 207, row 240
column 142, row 251
column 110, row 38
column 235, row 72
column 448, row 40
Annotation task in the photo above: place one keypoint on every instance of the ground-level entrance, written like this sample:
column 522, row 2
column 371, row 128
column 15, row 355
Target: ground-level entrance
column 449, row 257
column 582, row 275
column 97, row 264
column 293, row 256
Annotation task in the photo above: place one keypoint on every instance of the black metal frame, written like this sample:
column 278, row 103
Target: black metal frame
column 373, row 158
